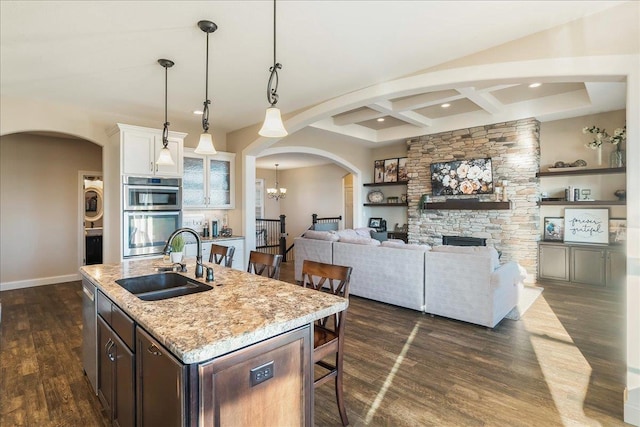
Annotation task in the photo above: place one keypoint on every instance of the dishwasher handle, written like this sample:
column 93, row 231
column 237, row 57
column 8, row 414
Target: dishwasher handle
column 88, row 293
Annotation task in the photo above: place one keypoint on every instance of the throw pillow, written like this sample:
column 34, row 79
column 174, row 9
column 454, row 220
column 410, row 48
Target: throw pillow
column 364, row 231
column 321, row 235
column 359, row 240
column 347, row 232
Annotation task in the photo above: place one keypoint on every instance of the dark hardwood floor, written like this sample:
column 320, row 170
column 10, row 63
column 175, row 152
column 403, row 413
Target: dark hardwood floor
column 561, row 365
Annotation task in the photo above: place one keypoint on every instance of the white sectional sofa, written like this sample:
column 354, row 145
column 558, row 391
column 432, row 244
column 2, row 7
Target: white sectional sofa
column 385, row 274
column 457, row 282
column 468, row 283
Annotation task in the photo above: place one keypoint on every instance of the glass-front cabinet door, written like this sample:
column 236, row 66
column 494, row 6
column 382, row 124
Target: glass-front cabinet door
column 193, row 183
column 208, row 181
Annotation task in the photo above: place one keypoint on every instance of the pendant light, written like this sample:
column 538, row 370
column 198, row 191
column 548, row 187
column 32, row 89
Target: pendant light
column 164, row 158
column 273, row 126
column 205, row 145
column 277, row 192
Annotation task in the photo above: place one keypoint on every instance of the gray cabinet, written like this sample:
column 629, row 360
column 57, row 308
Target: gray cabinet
column 553, row 262
column 596, row 265
column 588, row 265
column 161, row 392
column 116, row 376
column 116, row 363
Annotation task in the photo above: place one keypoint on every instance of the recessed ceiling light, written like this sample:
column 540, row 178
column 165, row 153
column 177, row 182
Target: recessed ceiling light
column 533, row 85
column 198, row 112
column 446, row 105
column 380, row 119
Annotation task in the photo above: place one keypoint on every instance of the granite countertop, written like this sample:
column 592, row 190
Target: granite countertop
column 213, row 239
column 240, row 310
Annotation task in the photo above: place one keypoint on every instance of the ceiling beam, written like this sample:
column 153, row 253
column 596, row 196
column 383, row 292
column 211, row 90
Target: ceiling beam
column 411, row 117
column 484, row 100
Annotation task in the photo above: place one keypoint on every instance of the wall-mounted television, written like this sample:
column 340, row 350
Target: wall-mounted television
column 462, row 177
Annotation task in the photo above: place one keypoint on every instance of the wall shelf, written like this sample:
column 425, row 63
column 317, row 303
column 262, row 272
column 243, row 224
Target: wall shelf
column 583, row 203
column 464, row 205
column 599, row 171
column 386, row 204
column 384, row 184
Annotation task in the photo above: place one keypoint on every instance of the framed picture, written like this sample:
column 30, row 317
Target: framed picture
column 375, row 222
column 391, row 170
column 586, row 225
column 462, row 177
column 617, row 230
column 403, row 173
column 553, row 229
column 378, row 171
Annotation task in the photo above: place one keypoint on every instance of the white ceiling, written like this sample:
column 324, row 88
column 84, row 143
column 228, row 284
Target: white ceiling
column 102, row 56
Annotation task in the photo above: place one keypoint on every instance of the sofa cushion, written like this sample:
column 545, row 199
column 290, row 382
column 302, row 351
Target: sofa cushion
column 359, row 240
column 321, row 235
column 347, row 232
column 473, row 250
column 399, row 244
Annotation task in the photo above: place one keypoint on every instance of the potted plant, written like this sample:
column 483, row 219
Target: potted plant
column 177, row 246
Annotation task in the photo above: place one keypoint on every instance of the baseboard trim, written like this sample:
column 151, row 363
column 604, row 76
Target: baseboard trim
column 30, row 283
column 632, row 406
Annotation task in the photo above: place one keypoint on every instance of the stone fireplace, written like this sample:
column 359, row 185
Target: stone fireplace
column 514, row 149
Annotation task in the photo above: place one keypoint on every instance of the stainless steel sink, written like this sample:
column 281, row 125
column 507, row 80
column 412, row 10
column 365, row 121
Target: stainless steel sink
column 162, row 286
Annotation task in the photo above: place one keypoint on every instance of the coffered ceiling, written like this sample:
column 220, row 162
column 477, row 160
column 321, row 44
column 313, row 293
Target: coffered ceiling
column 459, row 107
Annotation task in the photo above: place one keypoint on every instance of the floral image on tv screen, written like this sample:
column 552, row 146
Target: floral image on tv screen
column 462, row 177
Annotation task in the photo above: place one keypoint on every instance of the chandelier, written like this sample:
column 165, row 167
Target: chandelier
column 277, row 192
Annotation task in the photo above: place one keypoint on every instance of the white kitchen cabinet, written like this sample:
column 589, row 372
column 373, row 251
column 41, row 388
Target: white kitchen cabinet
column 208, row 181
column 140, row 150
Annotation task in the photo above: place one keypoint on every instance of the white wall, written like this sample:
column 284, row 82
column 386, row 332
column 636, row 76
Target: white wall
column 39, row 201
column 310, row 190
column 271, row 206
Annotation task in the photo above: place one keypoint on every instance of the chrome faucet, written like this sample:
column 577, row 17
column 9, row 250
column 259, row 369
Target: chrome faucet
column 199, row 265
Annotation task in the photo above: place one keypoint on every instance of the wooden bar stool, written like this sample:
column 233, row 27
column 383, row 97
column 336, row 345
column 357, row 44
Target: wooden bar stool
column 264, row 264
column 221, row 253
column 328, row 333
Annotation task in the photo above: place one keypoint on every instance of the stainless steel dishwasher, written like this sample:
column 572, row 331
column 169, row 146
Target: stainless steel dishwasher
column 89, row 333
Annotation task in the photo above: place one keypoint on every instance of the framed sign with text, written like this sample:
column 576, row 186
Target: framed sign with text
column 586, row 225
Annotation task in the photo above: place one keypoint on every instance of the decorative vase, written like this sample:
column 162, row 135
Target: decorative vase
column 599, row 155
column 176, row 256
column 617, row 159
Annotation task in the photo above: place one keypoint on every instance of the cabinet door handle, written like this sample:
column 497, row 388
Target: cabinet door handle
column 150, row 166
column 108, row 344
column 153, row 349
column 109, row 354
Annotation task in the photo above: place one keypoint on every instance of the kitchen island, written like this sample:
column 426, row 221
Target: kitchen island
column 241, row 352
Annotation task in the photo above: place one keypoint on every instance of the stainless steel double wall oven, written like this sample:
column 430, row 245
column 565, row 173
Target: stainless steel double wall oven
column 152, row 210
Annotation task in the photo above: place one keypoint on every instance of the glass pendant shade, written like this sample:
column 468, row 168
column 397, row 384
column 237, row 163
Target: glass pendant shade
column 164, row 158
column 205, row 145
column 273, row 127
